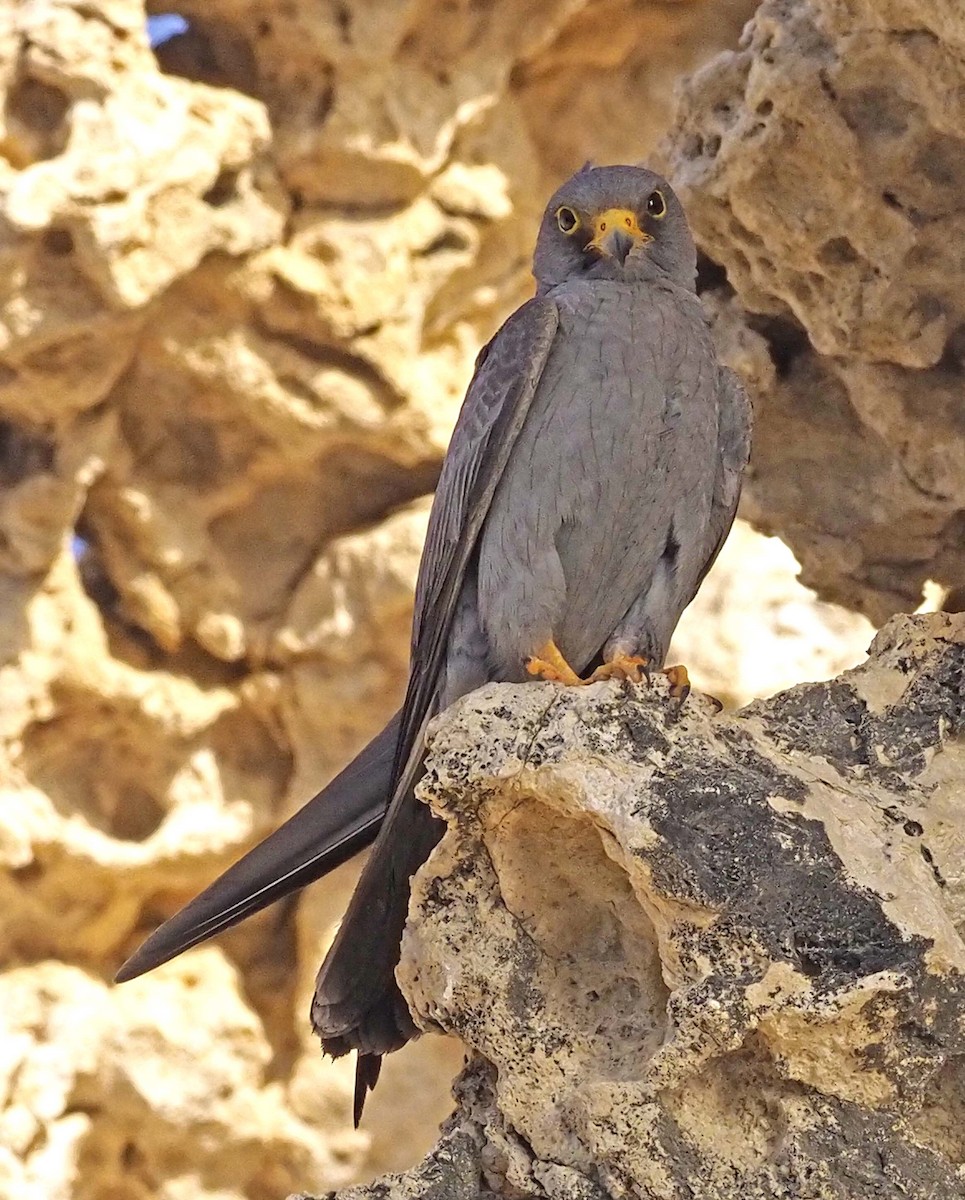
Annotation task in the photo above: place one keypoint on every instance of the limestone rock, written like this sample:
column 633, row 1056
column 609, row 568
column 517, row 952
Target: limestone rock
column 738, row 969
column 822, row 165
column 107, row 195
column 185, row 1070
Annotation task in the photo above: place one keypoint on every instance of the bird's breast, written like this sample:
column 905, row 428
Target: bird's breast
column 621, row 432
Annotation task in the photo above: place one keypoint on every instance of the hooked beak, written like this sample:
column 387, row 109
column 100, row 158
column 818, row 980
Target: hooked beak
column 616, row 232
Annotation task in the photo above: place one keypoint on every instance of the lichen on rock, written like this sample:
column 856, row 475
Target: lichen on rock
column 700, row 953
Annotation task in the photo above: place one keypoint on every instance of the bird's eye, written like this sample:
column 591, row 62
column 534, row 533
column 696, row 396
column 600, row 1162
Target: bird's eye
column 567, row 220
column 656, row 205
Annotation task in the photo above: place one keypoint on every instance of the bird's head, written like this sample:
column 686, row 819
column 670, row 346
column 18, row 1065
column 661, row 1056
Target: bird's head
column 614, row 223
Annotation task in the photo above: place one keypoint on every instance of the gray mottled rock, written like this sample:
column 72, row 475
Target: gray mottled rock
column 697, row 954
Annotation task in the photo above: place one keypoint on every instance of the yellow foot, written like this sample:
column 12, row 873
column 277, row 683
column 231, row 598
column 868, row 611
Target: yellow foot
column 549, row 663
column 623, row 666
column 679, row 683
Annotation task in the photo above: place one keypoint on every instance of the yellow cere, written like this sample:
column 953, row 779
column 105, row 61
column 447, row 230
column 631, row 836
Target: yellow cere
column 617, row 218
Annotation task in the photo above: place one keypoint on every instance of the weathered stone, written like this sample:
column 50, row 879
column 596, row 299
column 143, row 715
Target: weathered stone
column 182, row 1065
column 738, row 969
column 848, row 280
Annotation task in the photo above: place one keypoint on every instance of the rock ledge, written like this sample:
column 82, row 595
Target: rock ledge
column 717, row 956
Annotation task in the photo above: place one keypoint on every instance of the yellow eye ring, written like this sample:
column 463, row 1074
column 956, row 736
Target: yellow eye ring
column 656, row 205
column 567, row 220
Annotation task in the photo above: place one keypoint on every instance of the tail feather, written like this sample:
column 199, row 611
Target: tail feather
column 367, row 1070
column 357, row 1003
column 335, row 824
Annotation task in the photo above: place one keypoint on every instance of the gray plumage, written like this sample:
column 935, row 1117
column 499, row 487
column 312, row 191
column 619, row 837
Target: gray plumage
column 592, row 477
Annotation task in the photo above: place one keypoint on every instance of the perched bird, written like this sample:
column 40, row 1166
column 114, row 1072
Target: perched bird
column 592, row 477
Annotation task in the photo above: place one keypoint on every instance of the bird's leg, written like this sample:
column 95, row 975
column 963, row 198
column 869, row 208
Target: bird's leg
column 549, row 663
column 623, row 666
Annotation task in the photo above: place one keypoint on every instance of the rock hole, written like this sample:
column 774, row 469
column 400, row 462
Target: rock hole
column 930, row 860
column 209, row 52
column 23, row 453
column 37, row 105
column 941, row 160
column 58, row 242
column 693, row 146
column 326, row 99
column 592, row 942
column 671, row 549
column 161, row 27
column 223, row 190
column 29, row 873
column 94, row 577
column 711, row 276
column 955, row 601
column 36, row 119
column 875, row 112
column 785, row 338
column 449, row 241
column 953, row 356
column 138, row 817
column 930, row 308
column 130, row 1156
column 838, row 252
column 91, row 763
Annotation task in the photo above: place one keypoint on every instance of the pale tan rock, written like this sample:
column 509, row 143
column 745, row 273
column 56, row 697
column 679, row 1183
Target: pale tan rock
column 106, row 196
column 124, row 778
column 184, row 1069
column 343, row 643
column 822, row 165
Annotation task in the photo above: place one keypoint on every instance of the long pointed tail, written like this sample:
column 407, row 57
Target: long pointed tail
column 357, row 1004
column 343, row 818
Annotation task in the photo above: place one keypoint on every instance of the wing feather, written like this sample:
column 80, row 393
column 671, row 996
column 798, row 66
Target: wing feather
column 497, row 401
column 733, row 449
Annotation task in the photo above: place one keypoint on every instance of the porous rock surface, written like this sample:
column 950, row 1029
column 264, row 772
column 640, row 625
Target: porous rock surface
column 696, row 953
column 822, row 165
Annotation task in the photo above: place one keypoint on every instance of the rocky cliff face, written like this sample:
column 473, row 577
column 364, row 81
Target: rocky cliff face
column 244, row 277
